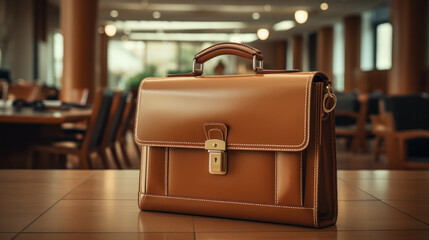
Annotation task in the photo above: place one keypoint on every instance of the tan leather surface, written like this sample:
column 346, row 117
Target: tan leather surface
column 289, row 178
column 250, row 176
column 171, row 111
column 285, row 185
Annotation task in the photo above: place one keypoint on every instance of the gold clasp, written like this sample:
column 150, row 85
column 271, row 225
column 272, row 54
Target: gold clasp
column 327, row 108
column 217, row 156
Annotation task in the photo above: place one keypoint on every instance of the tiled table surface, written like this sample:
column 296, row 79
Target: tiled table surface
column 74, row 204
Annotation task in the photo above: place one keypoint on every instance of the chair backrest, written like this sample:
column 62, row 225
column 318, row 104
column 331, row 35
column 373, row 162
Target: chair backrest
column 373, row 103
column 115, row 117
column 346, row 102
column 28, row 92
column 127, row 117
column 409, row 112
column 99, row 117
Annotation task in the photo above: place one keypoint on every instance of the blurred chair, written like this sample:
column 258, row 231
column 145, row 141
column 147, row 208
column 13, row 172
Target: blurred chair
column 80, row 96
column 407, row 138
column 92, row 139
column 127, row 120
column 351, row 118
column 108, row 143
column 26, row 91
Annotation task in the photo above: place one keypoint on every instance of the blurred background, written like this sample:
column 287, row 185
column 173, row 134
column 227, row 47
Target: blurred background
column 65, row 65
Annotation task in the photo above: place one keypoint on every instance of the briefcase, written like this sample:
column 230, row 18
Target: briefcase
column 256, row 147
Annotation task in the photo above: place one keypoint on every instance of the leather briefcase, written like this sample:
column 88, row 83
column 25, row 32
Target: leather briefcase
column 257, row 147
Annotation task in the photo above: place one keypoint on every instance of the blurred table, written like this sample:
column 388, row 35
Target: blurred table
column 20, row 129
column 102, row 204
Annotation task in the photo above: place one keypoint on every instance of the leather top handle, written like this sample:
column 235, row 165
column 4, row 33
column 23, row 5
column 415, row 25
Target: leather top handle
column 228, row 48
column 237, row 49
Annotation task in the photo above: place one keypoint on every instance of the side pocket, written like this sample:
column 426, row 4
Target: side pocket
column 289, row 178
column 155, row 179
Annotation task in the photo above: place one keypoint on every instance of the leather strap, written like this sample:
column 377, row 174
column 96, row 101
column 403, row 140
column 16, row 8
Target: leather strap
column 238, row 49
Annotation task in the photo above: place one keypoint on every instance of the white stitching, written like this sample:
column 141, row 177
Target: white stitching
column 301, row 146
column 276, row 200
column 230, row 202
column 300, row 178
column 166, row 155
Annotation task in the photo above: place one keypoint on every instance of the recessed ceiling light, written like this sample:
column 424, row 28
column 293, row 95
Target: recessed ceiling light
column 256, row 16
column 110, row 30
column 114, row 13
column 284, row 25
column 100, row 30
column 301, row 16
column 127, row 31
column 324, row 6
column 267, row 7
column 263, row 33
column 156, row 14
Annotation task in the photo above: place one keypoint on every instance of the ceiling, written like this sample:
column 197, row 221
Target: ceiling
column 271, row 12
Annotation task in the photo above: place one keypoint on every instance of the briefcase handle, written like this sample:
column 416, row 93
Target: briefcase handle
column 229, row 48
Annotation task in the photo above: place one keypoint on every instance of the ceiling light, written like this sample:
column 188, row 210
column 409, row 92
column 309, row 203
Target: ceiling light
column 324, row 6
column 263, row 33
column 156, row 15
column 256, row 16
column 100, row 30
column 193, row 37
column 267, row 7
column 110, row 30
column 176, row 25
column 114, row 13
column 235, row 39
column 301, row 16
column 284, row 25
column 127, row 31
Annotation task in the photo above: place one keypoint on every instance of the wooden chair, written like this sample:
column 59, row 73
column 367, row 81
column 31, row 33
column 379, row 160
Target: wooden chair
column 355, row 128
column 113, row 125
column 407, row 138
column 126, row 122
column 91, row 140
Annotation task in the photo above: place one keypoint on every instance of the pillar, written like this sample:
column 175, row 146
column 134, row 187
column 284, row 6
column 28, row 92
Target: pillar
column 352, row 32
column 280, row 54
column 325, row 42
column 409, row 46
column 297, row 51
column 103, row 44
column 78, row 24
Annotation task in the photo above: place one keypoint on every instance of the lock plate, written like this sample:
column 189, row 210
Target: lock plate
column 217, row 156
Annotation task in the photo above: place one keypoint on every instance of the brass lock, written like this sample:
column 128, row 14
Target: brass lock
column 217, row 156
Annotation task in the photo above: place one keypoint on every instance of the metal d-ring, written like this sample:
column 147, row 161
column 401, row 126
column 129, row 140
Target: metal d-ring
column 329, row 94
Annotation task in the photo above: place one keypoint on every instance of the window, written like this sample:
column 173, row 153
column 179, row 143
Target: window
column 58, row 57
column 384, row 46
column 338, row 58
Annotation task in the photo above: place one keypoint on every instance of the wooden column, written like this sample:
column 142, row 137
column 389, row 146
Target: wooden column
column 352, row 31
column 103, row 44
column 280, row 55
column 297, row 51
column 325, row 50
column 78, row 24
column 409, row 46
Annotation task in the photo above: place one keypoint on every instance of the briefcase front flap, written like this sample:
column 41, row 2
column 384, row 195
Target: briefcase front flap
column 268, row 112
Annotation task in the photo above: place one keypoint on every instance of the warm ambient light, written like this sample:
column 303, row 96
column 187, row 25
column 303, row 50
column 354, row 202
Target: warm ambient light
column 156, row 15
column 284, row 25
column 110, row 30
column 301, row 16
column 324, row 6
column 193, row 37
column 235, row 39
column 177, row 25
column 263, row 33
column 256, row 16
column 114, row 13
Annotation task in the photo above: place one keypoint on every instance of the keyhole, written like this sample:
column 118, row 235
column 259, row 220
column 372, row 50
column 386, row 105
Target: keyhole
column 215, row 160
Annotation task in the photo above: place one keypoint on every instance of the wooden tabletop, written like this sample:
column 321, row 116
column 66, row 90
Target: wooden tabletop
column 79, row 204
column 29, row 116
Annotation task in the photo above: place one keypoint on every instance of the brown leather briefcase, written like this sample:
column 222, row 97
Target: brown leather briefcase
column 257, row 147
